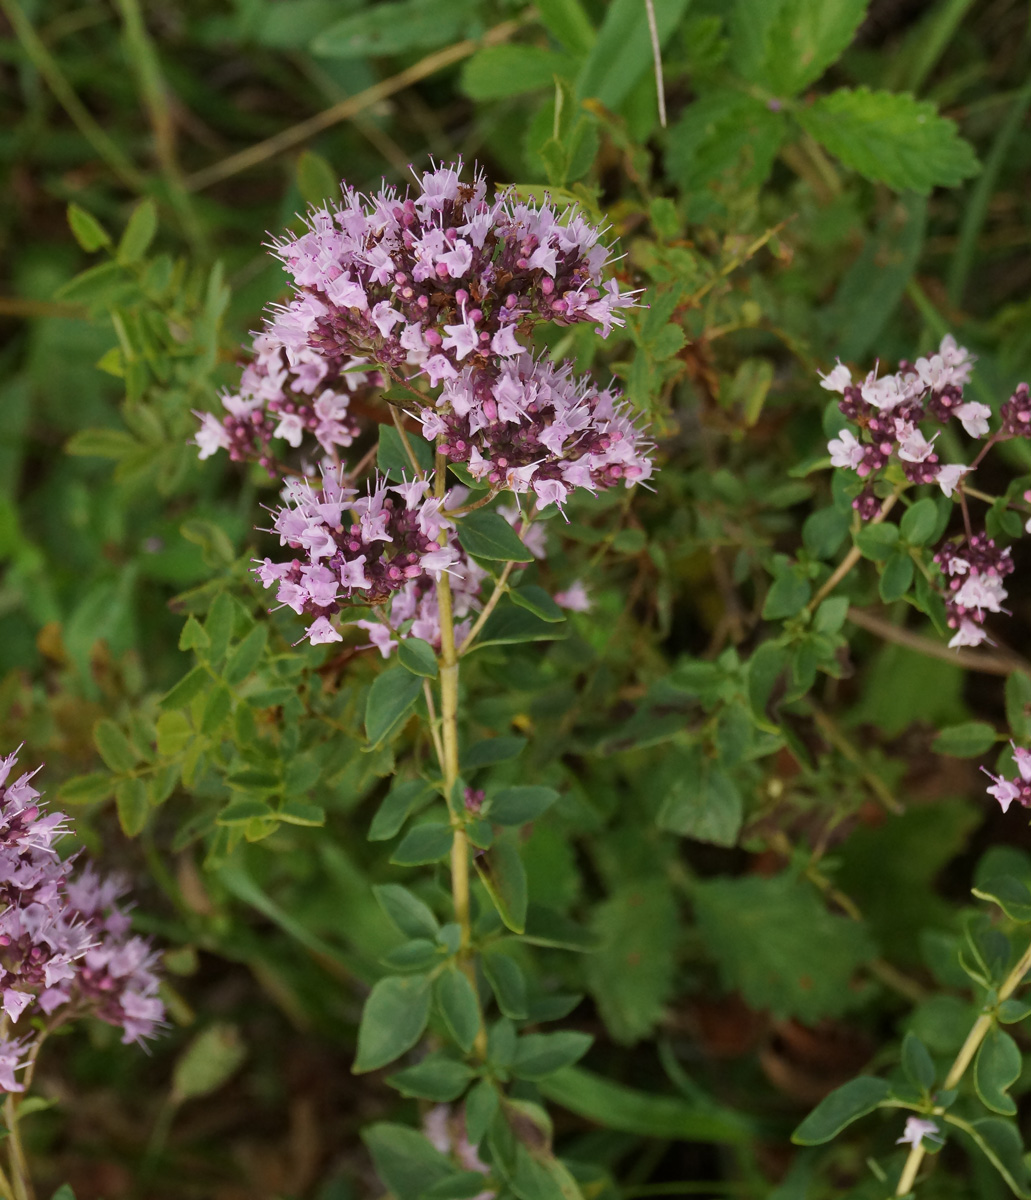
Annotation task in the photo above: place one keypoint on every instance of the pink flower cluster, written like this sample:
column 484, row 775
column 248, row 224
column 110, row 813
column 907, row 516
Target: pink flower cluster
column 65, row 947
column 354, row 549
column 442, row 278
column 888, row 411
column 1007, row 790
column 286, row 393
column 974, row 569
column 532, row 425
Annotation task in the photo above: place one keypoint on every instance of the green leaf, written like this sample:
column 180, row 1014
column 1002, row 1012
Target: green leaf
column 702, row 801
column 216, row 709
column 502, row 873
column 568, row 23
column 88, row 231
column 877, row 541
column 133, row 805
column 406, row 797
column 725, row 136
column 438, row 1077
column 1001, row 1143
column 393, row 1020
column 317, row 182
column 804, row 38
column 511, row 70
column 546, row 927
column 890, row 138
column 631, row 974
column 193, row 635
column 775, row 941
column 488, row 535
column 537, row 601
column 391, row 698
column 1018, row 704
column 139, row 233
column 824, row 532
column 392, row 458
column 644, row 1114
column 831, row 615
column 539, row 1055
column 843, row 1106
column 216, row 545
column 426, row 843
column 787, row 596
column 394, row 28
column 411, row 916
column 1009, row 893
column 239, row 812
column 996, row 1068
column 919, row 522
column 897, row 577
column 406, row 1162
column 517, row 805
column 293, row 812
column 64, row 1192
column 86, row 789
column 246, row 656
column 417, row 656
column 208, row 1062
column 917, row 1062
column 191, row 684
column 1011, row 1011
column 459, row 1006
column 968, row 740
column 492, row 750
column 115, row 748
column 508, row 984
column 101, row 443
column 509, row 625
column 622, row 51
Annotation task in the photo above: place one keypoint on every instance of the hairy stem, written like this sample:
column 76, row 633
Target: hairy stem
column 964, row 1058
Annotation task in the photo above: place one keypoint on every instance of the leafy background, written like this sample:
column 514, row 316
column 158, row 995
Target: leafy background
column 769, row 903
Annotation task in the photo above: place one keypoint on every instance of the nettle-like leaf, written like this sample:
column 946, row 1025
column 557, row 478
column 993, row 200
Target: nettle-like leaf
column 775, row 942
column 890, row 138
column 804, row 38
column 631, row 974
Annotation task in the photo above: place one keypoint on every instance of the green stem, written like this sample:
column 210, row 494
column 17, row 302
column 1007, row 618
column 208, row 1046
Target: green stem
column 964, row 1058
column 460, row 874
column 853, row 556
column 19, row 1164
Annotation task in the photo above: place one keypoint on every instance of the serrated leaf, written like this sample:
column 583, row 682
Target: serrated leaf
column 489, row 535
column 804, row 38
column 890, row 138
column 393, row 1020
column 394, row 28
column 838, row 1110
column 775, row 941
column 631, row 974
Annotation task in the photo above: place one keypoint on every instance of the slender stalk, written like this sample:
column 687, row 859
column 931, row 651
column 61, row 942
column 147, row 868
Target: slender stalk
column 488, row 608
column 660, row 88
column 346, row 109
column 21, row 1179
column 853, row 556
column 964, row 1058
column 448, row 671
